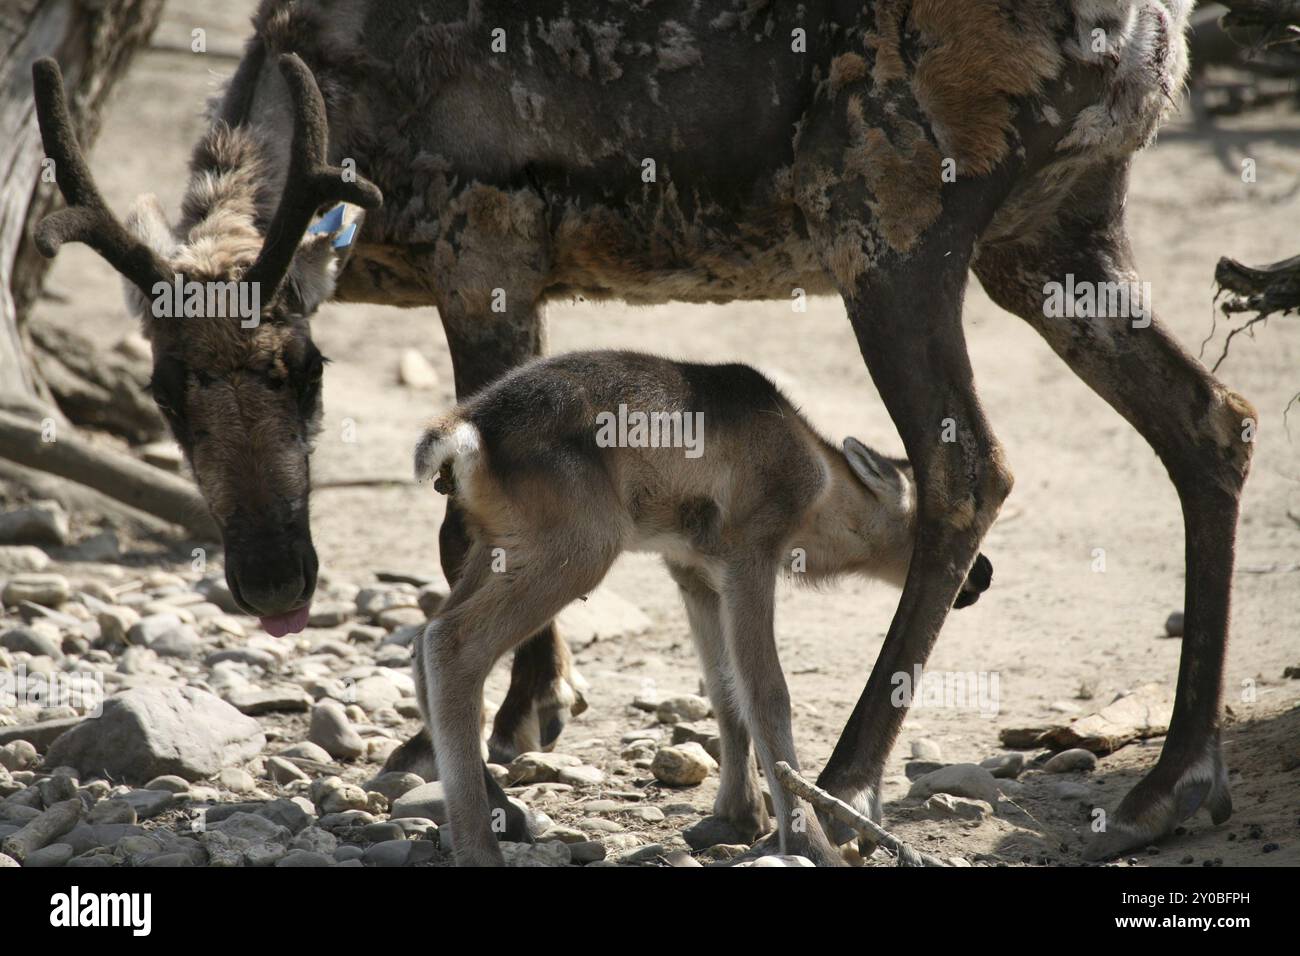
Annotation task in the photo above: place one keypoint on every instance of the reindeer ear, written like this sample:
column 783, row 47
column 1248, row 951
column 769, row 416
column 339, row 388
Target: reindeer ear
column 879, row 475
column 321, row 256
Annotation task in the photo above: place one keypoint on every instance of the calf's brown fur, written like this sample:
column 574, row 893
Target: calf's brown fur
column 551, row 499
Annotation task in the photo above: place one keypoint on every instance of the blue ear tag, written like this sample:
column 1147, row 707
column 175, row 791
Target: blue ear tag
column 345, row 238
column 330, row 222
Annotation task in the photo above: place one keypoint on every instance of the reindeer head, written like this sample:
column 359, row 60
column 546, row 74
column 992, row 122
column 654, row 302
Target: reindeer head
column 235, row 371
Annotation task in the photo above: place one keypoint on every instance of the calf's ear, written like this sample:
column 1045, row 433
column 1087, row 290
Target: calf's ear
column 875, row 471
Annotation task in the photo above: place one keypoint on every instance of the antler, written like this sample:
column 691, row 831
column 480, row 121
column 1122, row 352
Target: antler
column 310, row 182
column 87, row 218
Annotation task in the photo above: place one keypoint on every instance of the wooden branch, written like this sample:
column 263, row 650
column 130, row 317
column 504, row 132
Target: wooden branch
column 115, row 474
column 41, row 831
column 790, row 779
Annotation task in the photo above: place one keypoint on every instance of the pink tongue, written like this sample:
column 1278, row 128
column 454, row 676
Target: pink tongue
column 283, row 624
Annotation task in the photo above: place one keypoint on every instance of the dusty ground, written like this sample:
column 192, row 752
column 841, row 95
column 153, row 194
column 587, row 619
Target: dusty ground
column 1084, row 481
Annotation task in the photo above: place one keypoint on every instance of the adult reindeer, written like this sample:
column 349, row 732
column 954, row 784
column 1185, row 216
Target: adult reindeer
column 666, row 151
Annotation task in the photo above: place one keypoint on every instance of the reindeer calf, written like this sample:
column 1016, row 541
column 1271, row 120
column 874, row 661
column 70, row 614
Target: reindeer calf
column 567, row 462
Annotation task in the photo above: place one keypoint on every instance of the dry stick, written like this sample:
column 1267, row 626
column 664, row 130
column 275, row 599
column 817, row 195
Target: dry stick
column 43, row 830
column 110, row 472
column 821, row 800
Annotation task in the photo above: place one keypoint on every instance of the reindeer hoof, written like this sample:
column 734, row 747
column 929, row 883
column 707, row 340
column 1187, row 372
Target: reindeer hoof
column 1153, row 808
column 550, row 712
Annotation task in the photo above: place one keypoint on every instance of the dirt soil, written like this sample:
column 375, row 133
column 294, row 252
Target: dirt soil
column 1085, row 481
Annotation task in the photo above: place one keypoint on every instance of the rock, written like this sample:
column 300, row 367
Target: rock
column 147, row 803
column 282, row 698
column 151, row 627
column 7, row 861
column 112, row 811
column 236, row 780
column 332, row 795
column 251, row 827
column 401, row 617
column 393, row 784
column 37, row 643
column 427, row 801
column 56, row 854
column 169, row 782
column 264, row 854
column 306, row 750
column 375, row 692
column 181, row 641
column 19, row 755
column 47, row 590
column 682, row 766
column 399, row 853
column 537, row 767
column 1174, row 624
column 150, row 730
column 959, row 780
column 916, row 769
column 115, row 623
column 102, row 548
column 329, row 614
column 42, row 522
column 295, row 814
column 926, row 749
column 778, row 861
column 582, row 776
column 283, row 771
column 712, row 831
column 1138, row 715
column 1005, row 766
column 304, row 858
column 20, row 559
column 588, row 851
column 380, row 832
column 333, row 732
column 535, row 854
column 687, row 707
column 40, row 735
column 1070, row 760
column 943, row 806
column 415, row 371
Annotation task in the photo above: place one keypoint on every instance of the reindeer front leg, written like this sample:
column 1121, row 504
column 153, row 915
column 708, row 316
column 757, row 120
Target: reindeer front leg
column 488, row 292
column 903, row 280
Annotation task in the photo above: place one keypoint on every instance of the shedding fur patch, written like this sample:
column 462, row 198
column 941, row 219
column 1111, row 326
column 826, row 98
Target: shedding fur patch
column 978, row 59
column 1140, row 46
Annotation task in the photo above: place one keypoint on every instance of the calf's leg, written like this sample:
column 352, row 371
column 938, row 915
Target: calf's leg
column 748, row 607
column 739, row 800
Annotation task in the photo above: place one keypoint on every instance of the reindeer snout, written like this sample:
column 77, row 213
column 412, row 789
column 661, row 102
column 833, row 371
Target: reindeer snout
column 977, row 582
